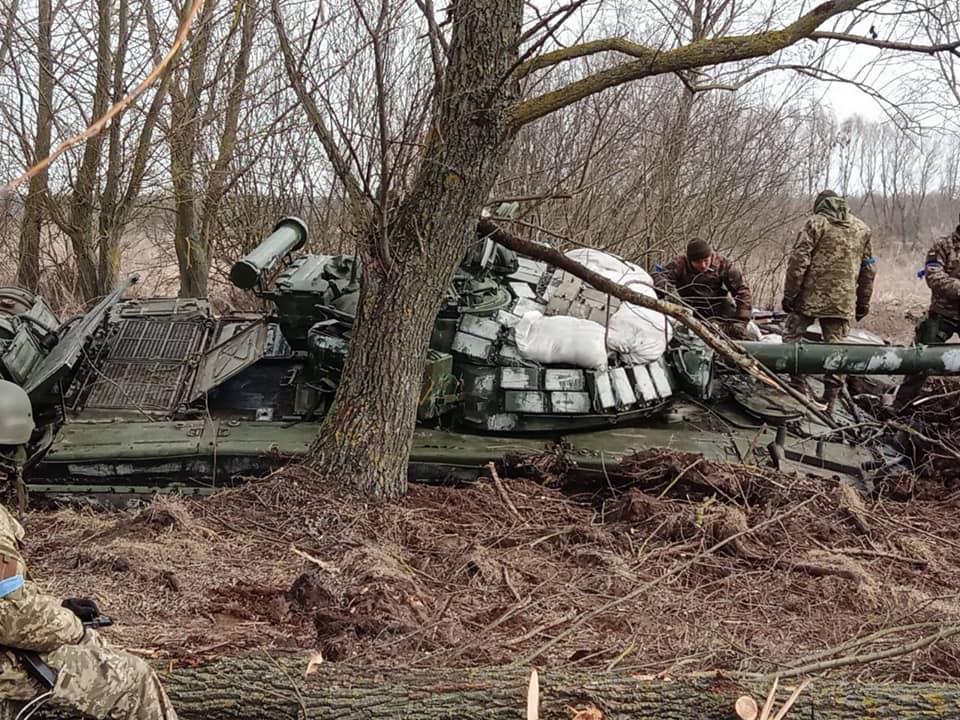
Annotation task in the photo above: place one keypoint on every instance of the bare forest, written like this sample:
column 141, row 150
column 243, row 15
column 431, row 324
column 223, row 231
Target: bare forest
column 196, row 171
column 167, row 139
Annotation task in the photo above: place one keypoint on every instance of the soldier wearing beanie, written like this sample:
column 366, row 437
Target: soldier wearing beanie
column 829, row 278
column 942, row 273
column 712, row 286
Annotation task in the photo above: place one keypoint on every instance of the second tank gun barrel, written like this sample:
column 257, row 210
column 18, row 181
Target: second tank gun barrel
column 290, row 234
column 818, row 358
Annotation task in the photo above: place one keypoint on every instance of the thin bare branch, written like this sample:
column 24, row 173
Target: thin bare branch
column 950, row 47
column 358, row 200
column 697, row 54
column 100, row 124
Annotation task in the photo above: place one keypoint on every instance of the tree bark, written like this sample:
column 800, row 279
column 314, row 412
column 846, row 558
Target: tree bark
column 28, row 269
column 218, row 181
column 183, row 135
column 108, row 228
column 275, row 689
column 366, row 437
column 80, row 224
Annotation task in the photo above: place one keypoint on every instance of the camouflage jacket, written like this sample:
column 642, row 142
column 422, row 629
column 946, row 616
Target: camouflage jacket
column 707, row 292
column 29, row 618
column 942, row 271
column 831, row 270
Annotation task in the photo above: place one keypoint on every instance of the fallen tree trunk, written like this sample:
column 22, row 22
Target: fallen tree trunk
column 265, row 688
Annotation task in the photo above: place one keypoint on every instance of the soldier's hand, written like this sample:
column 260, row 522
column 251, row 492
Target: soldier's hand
column 861, row 313
column 84, row 608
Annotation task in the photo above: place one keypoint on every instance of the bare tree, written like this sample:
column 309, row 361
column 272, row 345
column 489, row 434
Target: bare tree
column 412, row 245
column 196, row 206
column 28, row 269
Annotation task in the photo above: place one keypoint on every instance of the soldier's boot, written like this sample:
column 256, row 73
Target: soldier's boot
column 908, row 391
column 799, row 383
column 830, row 394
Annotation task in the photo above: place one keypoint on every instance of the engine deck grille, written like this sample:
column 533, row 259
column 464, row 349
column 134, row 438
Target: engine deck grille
column 152, row 340
column 147, row 365
column 152, row 386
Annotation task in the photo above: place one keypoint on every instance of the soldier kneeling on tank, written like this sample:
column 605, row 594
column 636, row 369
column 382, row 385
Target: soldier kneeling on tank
column 942, row 273
column 87, row 674
column 829, row 278
column 705, row 281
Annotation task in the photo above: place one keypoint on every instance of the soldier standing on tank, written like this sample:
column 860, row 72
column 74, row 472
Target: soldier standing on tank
column 92, row 677
column 942, row 273
column 829, row 278
column 705, row 281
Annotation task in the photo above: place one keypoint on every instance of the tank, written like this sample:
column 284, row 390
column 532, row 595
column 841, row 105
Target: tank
column 145, row 395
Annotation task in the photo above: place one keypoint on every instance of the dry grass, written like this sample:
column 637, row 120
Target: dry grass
column 501, row 571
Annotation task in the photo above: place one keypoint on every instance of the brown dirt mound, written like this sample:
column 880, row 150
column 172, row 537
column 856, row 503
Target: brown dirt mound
column 690, row 565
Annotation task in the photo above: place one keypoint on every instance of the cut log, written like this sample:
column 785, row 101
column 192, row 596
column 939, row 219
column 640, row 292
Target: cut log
column 262, row 688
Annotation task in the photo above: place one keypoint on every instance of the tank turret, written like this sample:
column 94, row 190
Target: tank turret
column 307, row 289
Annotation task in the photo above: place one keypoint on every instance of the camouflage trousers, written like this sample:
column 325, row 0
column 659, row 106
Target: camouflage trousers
column 834, row 330
column 95, row 679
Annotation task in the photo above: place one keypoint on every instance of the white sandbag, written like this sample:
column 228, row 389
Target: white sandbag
column 561, row 340
column 639, row 334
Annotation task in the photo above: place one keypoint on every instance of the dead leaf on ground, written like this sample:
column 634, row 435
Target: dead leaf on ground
column 313, row 663
column 590, row 712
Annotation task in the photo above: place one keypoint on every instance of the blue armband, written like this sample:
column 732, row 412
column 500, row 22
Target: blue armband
column 869, row 261
column 657, row 268
column 922, row 273
column 11, row 584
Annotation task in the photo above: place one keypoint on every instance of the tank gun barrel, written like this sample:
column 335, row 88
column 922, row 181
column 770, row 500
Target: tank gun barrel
column 289, row 235
column 819, row 358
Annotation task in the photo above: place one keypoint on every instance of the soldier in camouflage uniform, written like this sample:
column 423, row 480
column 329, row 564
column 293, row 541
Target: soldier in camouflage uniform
column 942, row 272
column 829, row 278
column 92, row 677
column 705, row 281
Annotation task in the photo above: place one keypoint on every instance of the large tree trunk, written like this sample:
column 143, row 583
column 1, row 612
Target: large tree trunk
column 365, row 440
column 28, row 269
column 275, row 689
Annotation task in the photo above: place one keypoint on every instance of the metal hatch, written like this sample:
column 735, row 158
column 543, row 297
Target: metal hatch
column 230, row 357
column 63, row 358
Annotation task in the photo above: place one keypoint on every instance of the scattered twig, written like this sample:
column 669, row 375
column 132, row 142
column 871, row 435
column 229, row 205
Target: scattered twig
column 945, row 632
column 492, row 467
column 101, row 123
